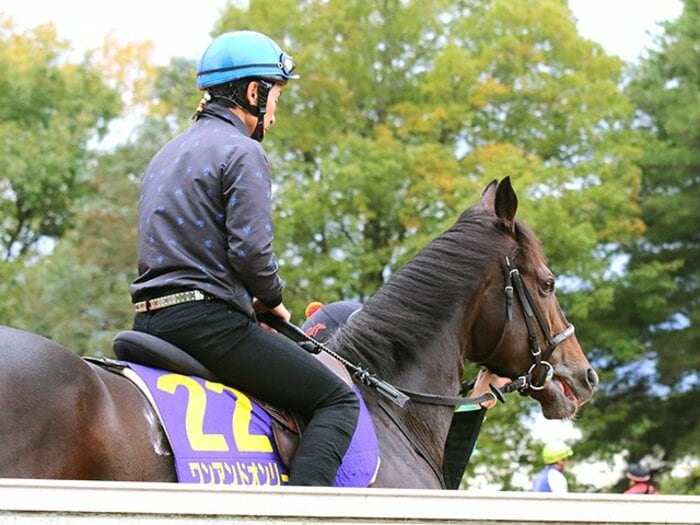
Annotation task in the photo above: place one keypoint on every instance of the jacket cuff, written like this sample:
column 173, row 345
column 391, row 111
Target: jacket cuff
column 271, row 302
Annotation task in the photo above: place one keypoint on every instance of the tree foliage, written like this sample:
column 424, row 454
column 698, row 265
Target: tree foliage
column 405, row 110
column 86, row 279
column 50, row 108
column 651, row 403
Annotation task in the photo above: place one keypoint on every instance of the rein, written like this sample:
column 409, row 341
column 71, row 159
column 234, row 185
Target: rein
column 400, row 396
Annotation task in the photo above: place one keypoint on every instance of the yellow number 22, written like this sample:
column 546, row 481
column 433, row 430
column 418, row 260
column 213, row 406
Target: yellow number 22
column 195, row 413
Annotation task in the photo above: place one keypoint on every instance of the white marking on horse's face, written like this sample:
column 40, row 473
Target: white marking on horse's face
column 156, row 434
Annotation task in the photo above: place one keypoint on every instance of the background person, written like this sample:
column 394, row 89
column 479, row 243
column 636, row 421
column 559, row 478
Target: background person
column 639, row 480
column 551, row 478
column 322, row 320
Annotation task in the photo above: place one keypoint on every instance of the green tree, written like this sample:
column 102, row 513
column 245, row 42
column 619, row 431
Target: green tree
column 651, row 403
column 50, row 109
column 406, row 109
column 86, row 279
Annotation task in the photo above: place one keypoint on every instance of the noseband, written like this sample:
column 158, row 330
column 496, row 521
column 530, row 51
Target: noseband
column 541, row 371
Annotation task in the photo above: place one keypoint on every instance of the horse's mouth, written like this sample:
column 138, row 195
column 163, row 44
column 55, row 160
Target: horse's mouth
column 557, row 399
column 565, row 389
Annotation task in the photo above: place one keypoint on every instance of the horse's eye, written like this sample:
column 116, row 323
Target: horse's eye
column 548, row 286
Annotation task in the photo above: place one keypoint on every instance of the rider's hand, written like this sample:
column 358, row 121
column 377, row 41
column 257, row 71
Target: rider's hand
column 280, row 311
column 481, row 386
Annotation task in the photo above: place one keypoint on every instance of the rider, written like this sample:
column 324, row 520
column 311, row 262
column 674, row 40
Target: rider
column 205, row 259
column 551, row 478
column 639, row 480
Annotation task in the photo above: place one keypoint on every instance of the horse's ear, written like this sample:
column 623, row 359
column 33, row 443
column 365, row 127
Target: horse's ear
column 488, row 197
column 506, row 203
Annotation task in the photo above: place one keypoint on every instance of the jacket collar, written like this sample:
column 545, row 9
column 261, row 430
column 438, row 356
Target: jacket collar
column 222, row 112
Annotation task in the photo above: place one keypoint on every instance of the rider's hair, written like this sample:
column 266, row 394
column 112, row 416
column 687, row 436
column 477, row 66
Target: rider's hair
column 230, row 94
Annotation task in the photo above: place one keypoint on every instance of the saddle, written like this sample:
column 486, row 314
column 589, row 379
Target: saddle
column 148, row 350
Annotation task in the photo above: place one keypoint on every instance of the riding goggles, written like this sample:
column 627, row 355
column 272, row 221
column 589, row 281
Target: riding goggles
column 286, row 64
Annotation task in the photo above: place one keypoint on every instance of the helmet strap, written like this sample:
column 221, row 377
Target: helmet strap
column 263, row 91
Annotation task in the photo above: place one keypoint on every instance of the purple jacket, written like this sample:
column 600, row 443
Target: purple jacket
column 205, row 216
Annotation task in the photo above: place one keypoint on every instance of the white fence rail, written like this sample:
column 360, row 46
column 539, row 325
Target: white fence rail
column 101, row 503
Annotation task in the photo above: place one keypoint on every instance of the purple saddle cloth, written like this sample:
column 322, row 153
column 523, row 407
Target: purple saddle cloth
column 220, row 436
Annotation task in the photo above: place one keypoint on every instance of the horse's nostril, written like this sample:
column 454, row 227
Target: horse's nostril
column 592, row 377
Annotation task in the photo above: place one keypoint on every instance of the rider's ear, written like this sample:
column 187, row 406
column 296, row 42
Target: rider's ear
column 252, row 93
column 506, row 204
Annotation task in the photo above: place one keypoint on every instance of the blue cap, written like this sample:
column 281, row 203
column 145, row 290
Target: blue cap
column 324, row 319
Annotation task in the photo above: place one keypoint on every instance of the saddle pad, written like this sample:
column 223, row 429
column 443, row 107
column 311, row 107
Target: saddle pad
column 220, row 436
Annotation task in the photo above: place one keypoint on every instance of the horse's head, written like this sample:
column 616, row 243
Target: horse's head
column 519, row 329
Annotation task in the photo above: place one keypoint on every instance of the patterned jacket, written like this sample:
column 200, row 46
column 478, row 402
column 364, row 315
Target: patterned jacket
column 205, row 217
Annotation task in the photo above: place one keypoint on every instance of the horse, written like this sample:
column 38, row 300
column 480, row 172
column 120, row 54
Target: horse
column 479, row 292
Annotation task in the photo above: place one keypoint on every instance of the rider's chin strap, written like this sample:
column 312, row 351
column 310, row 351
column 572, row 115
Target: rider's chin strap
column 261, row 109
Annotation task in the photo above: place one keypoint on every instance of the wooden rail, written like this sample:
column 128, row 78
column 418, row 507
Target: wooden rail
column 100, row 503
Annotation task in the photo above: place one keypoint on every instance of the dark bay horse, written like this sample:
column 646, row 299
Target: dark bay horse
column 481, row 292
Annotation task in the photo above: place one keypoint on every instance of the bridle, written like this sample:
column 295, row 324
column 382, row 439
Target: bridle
column 514, row 285
column 532, row 379
column 541, row 371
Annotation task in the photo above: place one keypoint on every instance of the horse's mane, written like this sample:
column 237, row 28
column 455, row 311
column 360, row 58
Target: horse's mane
column 408, row 311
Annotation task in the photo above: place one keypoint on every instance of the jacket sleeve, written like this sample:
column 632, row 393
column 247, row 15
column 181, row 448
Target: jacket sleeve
column 247, row 191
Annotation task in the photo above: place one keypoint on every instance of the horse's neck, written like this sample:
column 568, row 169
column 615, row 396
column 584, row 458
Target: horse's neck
column 421, row 429
column 431, row 362
column 412, row 332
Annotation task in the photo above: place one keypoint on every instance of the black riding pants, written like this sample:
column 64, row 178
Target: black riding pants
column 272, row 368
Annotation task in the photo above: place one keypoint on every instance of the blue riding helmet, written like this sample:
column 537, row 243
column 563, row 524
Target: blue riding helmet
column 243, row 54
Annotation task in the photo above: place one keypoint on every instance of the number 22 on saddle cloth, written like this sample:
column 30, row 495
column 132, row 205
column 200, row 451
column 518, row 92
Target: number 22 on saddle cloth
column 221, row 436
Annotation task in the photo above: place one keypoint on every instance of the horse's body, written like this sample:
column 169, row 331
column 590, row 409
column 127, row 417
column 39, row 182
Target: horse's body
column 61, row 417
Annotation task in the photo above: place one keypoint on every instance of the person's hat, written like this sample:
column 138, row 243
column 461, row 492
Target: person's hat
column 638, row 472
column 554, row 451
column 322, row 320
